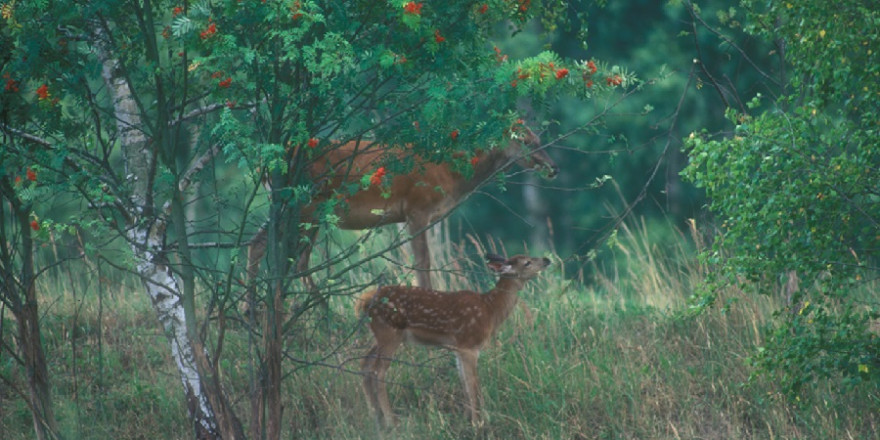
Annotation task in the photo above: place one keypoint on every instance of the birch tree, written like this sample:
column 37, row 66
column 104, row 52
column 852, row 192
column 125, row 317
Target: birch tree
column 103, row 122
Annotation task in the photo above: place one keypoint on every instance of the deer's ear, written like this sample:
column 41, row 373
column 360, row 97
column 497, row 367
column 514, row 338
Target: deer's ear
column 499, row 266
column 495, row 258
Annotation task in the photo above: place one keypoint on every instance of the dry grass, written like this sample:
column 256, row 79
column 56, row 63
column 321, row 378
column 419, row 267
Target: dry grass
column 611, row 359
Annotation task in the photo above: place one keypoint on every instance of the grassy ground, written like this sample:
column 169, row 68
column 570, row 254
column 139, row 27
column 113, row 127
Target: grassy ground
column 610, row 359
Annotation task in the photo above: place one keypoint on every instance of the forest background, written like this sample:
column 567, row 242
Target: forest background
column 713, row 226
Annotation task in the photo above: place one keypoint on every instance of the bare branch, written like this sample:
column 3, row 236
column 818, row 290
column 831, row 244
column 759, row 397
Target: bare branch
column 26, row 136
column 197, row 166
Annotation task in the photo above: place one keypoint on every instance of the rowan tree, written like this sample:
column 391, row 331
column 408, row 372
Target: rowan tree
column 160, row 121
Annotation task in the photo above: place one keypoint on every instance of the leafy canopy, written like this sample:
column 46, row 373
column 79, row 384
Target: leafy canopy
column 268, row 80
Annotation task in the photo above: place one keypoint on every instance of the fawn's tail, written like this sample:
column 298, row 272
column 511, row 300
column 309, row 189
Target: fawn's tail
column 360, row 306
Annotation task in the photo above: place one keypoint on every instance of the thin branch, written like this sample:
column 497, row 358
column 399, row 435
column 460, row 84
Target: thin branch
column 699, row 58
column 197, row 166
column 26, row 136
column 730, row 42
column 201, row 111
column 608, row 229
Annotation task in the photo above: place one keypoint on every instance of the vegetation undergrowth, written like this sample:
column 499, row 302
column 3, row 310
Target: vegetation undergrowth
column 613, row 358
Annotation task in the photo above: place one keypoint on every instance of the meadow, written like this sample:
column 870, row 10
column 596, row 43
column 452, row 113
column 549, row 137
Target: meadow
column 613, row 355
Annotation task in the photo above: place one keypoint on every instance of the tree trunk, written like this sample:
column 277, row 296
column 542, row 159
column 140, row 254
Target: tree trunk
column 166, row 298
column 274, row 321
column 39, row 390
column 45, row 426
column 19, row 291
column 146, row 236
column 536, row 214
column 266, row 386
column 272, row 346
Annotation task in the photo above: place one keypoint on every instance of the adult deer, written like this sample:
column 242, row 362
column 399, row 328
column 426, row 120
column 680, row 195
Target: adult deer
column 418, row 198
column 460, row 321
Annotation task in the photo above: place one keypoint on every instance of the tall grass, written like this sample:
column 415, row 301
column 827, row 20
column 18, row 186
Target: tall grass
column 612, row 358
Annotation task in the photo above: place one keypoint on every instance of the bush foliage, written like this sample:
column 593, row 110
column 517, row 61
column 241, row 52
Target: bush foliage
column 795, row 187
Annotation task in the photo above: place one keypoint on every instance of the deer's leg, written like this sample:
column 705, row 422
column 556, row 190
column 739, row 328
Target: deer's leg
column 377, row 362
column 370, row 384
column 256, row 249
column 467, row 369
column 421, row 253
column 383, row 362
column 302, row 263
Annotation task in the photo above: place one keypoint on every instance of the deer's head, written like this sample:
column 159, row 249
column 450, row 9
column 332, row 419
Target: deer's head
column 533, row 155
column 519, row 266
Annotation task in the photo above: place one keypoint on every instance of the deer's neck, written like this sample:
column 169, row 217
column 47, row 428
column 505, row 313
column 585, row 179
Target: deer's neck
column 487, row 165
column 502, row 299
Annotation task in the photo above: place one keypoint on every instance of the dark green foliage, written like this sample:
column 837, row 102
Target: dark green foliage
column 796, row 190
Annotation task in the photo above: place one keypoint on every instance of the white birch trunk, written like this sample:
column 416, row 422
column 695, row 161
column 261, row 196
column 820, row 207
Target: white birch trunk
column 146, row 230
column 164, row 293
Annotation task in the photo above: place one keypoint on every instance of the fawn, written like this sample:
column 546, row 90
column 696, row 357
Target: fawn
column 459, row 321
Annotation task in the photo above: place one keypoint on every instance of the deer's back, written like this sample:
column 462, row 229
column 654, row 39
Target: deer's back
column 424, row 193
column 431, row 317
